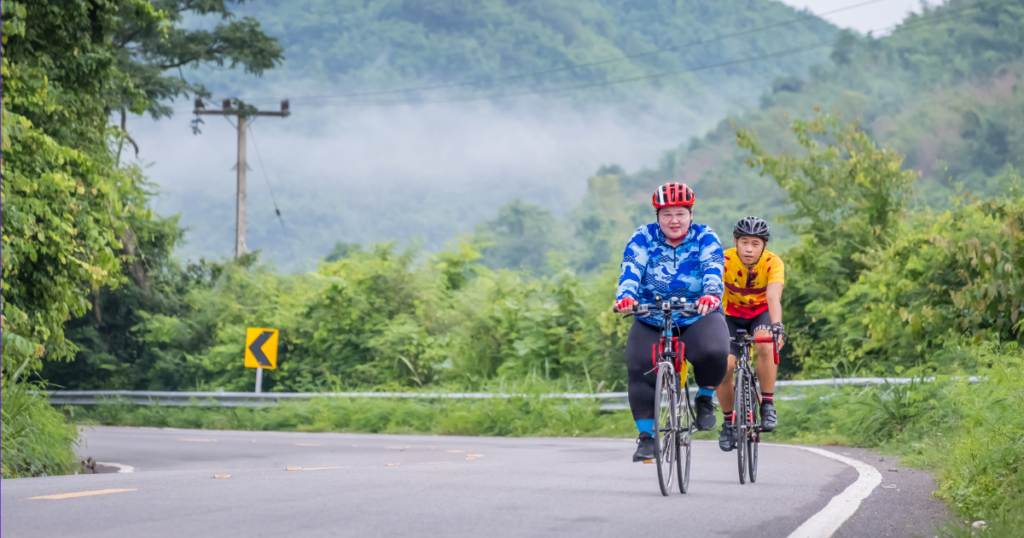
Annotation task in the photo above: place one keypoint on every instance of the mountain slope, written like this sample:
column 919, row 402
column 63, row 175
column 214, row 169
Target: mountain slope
column 336, row 164
column 945, row 89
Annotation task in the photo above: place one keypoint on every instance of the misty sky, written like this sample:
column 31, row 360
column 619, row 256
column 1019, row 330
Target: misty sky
column 877, row 17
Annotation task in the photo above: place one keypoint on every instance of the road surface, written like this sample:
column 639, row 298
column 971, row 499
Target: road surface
column 277, row 484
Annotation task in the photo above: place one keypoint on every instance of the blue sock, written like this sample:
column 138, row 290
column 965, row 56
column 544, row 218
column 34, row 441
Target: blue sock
column 706, row 391
column 646, row 425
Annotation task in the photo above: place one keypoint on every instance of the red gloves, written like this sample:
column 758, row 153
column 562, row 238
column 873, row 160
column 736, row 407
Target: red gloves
column 625, row 303
column 710, row 301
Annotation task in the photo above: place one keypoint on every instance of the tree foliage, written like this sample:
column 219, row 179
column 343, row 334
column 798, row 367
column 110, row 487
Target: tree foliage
column 64, row 198
column 388, row 43
column 152, row 52
column 866, row 287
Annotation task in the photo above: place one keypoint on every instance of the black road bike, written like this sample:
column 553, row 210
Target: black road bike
column 675, row 418
column 746, row 419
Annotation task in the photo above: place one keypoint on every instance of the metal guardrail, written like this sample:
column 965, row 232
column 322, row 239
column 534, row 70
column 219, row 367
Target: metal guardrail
column 609, row 400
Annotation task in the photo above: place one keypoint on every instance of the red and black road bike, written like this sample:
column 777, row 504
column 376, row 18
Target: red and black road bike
column 675, row 418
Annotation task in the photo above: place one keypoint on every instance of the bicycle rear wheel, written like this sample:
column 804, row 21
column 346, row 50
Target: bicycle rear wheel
column 740, row 417
column 666, row 422
column 685, row 438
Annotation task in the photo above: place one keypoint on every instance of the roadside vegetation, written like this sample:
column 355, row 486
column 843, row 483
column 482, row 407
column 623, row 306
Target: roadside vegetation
column 75, row 216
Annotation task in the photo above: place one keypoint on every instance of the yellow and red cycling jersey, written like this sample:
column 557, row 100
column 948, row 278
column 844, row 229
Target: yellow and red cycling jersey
column 746, row 292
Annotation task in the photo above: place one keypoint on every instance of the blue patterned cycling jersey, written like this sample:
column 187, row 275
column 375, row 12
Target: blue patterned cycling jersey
column 650, row 266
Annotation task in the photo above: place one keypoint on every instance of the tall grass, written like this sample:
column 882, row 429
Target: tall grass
column 506, row 417
column 970, row 435
column 37, row 440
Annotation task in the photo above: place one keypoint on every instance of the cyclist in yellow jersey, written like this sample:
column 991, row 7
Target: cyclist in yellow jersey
column 753, row 279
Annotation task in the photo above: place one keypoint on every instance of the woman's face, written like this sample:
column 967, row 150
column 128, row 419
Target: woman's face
column 674, row 222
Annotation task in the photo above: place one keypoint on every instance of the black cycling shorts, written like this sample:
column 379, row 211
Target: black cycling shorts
column 707, row 351
column 756, row 323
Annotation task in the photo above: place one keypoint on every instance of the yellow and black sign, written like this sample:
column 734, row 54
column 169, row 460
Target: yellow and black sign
column 261, row 348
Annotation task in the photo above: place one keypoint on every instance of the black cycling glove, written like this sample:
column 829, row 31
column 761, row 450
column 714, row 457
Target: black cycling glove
column 780, row 331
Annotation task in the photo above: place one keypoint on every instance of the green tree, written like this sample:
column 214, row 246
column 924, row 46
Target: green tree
column 151, row 53
column 521, row 237
column 66, row 203
column 848, row 200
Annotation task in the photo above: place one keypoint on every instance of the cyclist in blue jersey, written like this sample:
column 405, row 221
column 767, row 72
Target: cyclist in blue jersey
column 673, row 257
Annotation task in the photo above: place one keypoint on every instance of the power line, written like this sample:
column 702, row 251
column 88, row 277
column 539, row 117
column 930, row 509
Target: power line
column 921, row 21
column 266, row 178
column 945, row 13
column 588, row 64
column 493, row 97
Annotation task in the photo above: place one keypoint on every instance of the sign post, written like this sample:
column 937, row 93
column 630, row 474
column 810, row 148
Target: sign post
column 260, row 352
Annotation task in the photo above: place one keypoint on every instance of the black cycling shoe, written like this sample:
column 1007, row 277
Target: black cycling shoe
column 645, row 447
column 769, row 419
column 705, row 413
column 727, row 438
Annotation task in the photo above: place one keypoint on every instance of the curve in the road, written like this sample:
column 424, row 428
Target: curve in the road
column 828, row 520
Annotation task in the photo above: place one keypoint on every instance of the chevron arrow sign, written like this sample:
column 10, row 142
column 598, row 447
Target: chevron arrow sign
column 261, row 348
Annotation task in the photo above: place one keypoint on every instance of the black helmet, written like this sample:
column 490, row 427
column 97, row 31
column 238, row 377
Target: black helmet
column 753, row 227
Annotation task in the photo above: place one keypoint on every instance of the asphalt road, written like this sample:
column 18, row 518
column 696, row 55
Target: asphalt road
column 389, row 485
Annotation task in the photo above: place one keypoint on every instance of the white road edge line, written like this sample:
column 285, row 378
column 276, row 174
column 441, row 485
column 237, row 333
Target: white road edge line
column 828, row 520
column 121, row 468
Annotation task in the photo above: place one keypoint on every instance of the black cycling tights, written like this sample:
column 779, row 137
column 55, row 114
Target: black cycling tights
column 707, row 351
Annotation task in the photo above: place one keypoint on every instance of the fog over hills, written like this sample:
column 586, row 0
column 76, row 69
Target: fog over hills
column 404, row 166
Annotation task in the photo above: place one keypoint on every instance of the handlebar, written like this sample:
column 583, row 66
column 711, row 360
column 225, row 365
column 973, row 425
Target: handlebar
column 771, row 340
column 674, row 304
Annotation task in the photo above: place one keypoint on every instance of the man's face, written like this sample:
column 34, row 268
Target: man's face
column 749, row 249
column 674, row 222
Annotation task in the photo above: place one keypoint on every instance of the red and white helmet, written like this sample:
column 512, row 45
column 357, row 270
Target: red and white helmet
column 673, row 194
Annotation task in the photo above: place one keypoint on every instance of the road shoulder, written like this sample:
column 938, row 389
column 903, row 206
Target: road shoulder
column 902, row 506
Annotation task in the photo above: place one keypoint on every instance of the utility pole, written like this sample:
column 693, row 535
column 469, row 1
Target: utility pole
column 243, row 114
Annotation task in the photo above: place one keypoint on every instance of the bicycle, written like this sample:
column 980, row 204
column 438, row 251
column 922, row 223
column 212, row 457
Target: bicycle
column 675, row 417
column 747, row 404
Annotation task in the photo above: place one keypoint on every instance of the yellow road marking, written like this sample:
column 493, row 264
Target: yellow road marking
column 222, row 476
column 199, row 440
column 456, row 451
column 392, row 465
column 293, row 468
column 321, row 468
column 396, row 447
column 82, row 493
column 307, row 444
column 475, row 455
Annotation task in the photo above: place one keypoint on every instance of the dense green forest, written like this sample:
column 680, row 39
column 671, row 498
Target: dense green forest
column 944, row 88
column 75, row 216
column 499, row 48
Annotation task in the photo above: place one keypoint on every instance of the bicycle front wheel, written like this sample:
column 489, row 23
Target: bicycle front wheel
column 666, row 416
column 754, row 437
column 741, row 423
column 684, row 438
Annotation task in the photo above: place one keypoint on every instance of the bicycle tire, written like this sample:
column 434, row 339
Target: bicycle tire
column 684, row 439
column 740, row 418
column 754, row 437
column 666, row 423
